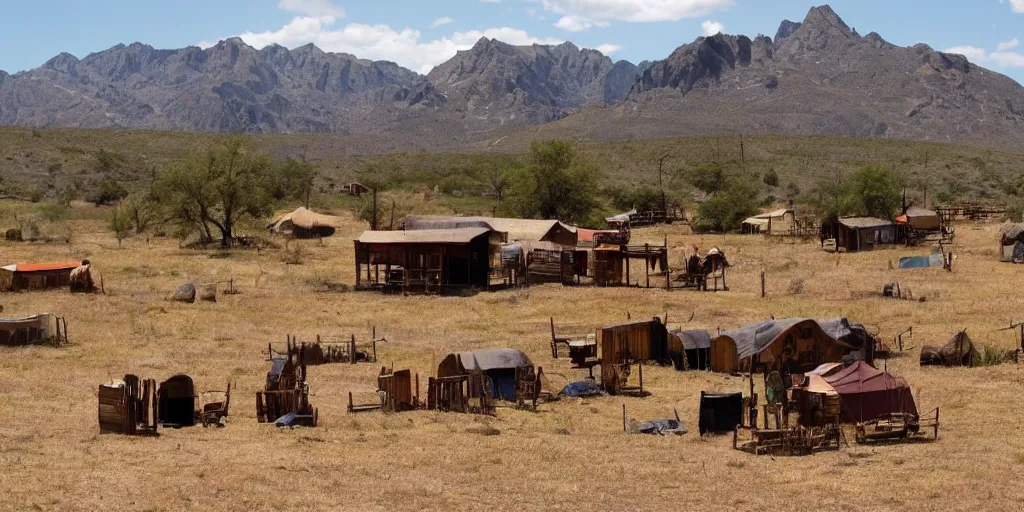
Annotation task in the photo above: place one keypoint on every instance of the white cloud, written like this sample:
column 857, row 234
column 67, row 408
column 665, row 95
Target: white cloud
column 490, row 1
column 1017, row 6
column 441, row 21
column 381, row 42
column 711, row 28
column 636, row 11
column 997, row 59
column 314, row 8
column 608, row 49
column 578, row 23
column 1008, row 45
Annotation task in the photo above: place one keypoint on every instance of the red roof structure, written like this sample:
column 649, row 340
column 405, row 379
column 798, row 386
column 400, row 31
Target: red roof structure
column 42, row 267
column 868, row 393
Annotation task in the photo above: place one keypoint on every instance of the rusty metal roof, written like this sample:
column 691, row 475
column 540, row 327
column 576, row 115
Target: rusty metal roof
column 40, row 267
column 423, row 236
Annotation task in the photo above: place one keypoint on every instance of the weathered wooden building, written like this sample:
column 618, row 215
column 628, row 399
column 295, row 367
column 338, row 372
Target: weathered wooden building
column 862, row 233
column 427, row 261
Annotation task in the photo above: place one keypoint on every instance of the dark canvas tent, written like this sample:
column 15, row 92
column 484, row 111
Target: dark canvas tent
column 868, row 393
column 794, row 344
column 498, row 364
column 958, row 351
column 690, row 350
column 177, row 401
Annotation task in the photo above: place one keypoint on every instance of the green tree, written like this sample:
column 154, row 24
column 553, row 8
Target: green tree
column 877, row 188
column 219, row 188
column 295, row 179
column 121, row 223
column 771, row 178
column 727, row 209
column 708, row 178
column 109, row 191
column 643, row 198
column 557, row 184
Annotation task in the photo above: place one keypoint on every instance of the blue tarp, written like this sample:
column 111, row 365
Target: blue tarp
column 582, row 388
column 293, row 420
column 932, row 260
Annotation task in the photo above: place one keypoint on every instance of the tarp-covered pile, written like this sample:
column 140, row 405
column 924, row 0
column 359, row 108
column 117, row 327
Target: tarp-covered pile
column 958, row 351
column 779, row 344
column 1011, row 241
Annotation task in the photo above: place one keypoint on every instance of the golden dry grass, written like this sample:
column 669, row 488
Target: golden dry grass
column 572, row 455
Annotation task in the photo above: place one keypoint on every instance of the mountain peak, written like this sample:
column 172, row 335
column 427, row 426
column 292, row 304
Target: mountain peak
column 823, row 16
column 786, row 29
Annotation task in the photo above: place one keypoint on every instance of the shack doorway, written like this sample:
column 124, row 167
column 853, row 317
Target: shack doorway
column 177, row 402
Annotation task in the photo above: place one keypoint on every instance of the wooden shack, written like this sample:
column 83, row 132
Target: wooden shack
column 862, row 233
column 36, row 276
column 426, row 261
column 177, row 402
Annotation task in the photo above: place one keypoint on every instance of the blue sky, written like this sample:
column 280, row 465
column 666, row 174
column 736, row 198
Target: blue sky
column 420, row 34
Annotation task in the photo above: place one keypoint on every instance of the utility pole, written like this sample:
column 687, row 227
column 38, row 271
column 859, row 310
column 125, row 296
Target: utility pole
column 661, row 182
column 743, row 159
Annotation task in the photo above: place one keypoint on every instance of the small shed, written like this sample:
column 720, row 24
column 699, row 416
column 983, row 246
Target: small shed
column 868, row 393
column 920, row 219
column 636, row 341
column 429, row 260
column 36, row 276
column 778, row 222
column 720, row 412
column 497, row 364
column 690, row 350
column 793, row 345
column 863, row 233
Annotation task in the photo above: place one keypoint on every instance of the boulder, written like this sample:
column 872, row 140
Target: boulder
column 185, row 293
column 208, row 292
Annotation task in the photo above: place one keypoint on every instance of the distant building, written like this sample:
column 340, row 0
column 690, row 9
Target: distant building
column 36, row 276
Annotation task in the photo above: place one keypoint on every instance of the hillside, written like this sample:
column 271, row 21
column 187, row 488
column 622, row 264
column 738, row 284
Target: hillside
column 816, row 77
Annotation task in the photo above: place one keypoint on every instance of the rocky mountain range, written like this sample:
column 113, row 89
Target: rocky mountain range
column 815, row 77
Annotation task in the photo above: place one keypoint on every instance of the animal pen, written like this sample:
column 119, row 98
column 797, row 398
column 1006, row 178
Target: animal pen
column 613, row 265
column 36, row 329
column 426, row 261
column 328, row 349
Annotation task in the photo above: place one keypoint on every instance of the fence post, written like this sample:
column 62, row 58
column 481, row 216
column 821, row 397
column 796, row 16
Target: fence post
column 762, row 284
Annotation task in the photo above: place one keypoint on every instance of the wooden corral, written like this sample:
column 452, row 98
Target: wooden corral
column 325, row 350
column 128, row 407
column 460, row 393
column 612, row 265
column 33, row 330
column 39, row 276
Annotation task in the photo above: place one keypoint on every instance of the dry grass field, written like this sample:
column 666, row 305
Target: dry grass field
column 571, row 455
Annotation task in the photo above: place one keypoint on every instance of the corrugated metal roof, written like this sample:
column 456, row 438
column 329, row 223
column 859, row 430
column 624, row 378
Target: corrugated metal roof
column 40, row 267
column 864, row 222
column 423, row 236
column 517, row 229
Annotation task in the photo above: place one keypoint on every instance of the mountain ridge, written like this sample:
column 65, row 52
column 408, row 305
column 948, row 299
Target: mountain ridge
column 815, row 77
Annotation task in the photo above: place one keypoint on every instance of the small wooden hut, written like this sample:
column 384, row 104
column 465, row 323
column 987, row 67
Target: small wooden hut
column 36, row 276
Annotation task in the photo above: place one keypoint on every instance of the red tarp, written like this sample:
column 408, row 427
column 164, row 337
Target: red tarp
column 867, row 393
